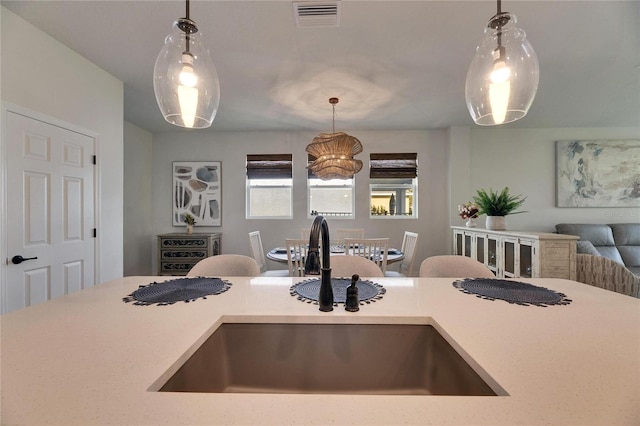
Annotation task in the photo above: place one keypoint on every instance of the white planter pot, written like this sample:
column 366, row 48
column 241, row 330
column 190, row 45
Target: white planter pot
column 496, row 223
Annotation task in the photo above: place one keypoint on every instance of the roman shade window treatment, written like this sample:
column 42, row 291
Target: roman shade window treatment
column 270, row 166
column 393, row 165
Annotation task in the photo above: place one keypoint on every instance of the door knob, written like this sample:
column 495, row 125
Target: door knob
column 19, row 259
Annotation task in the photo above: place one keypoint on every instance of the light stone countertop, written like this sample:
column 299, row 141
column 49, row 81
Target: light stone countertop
column 89, row 358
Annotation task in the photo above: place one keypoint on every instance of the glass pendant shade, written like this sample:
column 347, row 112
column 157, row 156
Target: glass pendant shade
column 503, row 76
column 185, row 81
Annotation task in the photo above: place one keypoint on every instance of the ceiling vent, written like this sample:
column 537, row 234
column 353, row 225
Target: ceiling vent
column 317, row 14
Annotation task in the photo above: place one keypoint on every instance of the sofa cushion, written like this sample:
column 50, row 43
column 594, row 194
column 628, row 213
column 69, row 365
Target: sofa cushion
column 586, row 247
column 627, row 239
column 634, row 269
column 600, row 235
column 610, row 252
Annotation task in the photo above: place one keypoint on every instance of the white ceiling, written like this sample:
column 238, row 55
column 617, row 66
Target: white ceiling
column 393, row 64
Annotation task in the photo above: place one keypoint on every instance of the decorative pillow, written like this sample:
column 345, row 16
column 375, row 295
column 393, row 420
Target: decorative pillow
column 586, row 247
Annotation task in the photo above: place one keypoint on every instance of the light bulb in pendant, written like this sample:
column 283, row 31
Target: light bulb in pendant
column 187, row 92
column 500, row 87
column 187, row 76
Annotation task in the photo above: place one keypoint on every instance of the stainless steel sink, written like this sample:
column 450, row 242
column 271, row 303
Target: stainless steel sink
column 366, row 359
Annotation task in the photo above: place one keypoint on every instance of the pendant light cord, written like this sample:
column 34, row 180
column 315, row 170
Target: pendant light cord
column 499, row 26
column 333, row 102
column 334, row 118
column 188, row 27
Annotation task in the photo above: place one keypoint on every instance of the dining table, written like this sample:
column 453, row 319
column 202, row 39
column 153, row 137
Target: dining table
column 279, row 254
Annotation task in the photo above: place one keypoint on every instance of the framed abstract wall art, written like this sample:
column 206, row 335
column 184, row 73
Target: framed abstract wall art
column 598, row 173
column 197, row 187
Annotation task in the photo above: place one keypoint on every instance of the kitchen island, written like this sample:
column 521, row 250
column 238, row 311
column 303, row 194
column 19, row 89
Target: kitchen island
column 90, row 359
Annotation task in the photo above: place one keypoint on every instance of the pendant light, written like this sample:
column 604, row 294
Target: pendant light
column 185, row 80
column 503, row 76
column 334, row 153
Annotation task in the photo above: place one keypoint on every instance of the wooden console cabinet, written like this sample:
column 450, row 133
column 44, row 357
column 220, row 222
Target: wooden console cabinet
column 512, row 254
column 178, row 252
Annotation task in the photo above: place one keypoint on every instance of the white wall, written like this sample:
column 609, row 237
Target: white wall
column 42, row 75
column 138, row 232
column 452, row 165
column 232, row 147
column 459, row 163
column 524, row 160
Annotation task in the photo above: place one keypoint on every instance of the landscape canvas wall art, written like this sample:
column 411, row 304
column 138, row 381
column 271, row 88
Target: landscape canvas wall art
column 598, row 173
column 197, row 190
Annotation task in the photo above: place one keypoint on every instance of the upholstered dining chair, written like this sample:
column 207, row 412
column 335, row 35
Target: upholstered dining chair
column 374, row 249
column 409, row 242
column 225, row 265
column 346, row 266
column 296, row 255
column 451, row 266
column 257, row 252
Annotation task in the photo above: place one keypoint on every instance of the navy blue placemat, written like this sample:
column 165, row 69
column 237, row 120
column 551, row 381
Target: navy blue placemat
column 307, row 291
column 515, row 292
column 178, row 290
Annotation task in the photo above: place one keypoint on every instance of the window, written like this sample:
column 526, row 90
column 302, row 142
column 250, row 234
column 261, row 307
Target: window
column 330, row 198
column 269, row 186
column 393, row 185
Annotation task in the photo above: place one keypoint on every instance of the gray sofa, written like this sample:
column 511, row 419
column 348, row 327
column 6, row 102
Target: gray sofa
column 608, row 255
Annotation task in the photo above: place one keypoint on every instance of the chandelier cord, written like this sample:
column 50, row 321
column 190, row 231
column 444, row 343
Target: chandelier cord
column 334, row 118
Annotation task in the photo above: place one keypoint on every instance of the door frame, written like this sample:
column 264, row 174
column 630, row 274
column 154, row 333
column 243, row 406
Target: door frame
column 5, row 108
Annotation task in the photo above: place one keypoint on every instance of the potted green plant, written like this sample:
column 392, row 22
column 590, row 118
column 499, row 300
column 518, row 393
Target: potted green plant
column 190, row 221
column 497, row 205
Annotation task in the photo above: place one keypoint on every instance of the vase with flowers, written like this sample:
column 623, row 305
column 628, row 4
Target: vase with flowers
column 190, row 221
column 497, row 205
column 469, row 212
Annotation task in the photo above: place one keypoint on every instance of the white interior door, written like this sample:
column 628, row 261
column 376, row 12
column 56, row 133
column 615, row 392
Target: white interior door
column 50, row 211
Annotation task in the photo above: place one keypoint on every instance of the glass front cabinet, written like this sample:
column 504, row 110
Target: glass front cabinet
column 512, row 254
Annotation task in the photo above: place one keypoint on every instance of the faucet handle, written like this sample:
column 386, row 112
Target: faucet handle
column 353, row 303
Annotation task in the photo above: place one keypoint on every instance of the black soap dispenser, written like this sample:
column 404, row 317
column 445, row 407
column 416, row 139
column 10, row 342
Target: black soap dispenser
column 353, row 303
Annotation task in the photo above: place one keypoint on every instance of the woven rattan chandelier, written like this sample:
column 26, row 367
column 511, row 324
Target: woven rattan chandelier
column 334, row 153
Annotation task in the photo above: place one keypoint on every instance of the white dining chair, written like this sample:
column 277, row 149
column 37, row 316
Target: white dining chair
column 374, row 249
column 225, row 265
column 346, row 266
column 409, row 242
column 343, row 233
column 257, row 252
column 453, row 266
column 296, row 255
